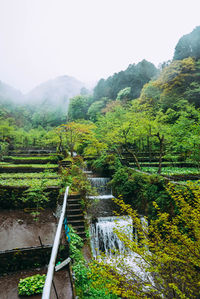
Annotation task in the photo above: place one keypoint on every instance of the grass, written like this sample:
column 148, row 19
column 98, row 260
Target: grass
column 28, row 175
column 48, row 158
column 166, row 162
column 173, row 170
column 9, row 165
column 29, row 182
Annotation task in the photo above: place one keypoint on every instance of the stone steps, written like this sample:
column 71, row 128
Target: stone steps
column 75, row 215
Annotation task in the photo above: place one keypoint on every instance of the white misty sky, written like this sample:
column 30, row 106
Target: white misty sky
column 87, row 39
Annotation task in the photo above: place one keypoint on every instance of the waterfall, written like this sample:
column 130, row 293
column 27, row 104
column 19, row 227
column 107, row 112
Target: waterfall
column 101, row 185
column 103, row 237
column 104, row 240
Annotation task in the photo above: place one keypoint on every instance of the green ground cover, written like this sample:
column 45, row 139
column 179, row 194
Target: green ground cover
column 29, row 182
column 31, row 285
column 4, row 176
column 46, row 158
column 165, row 163
column 173, row 170
column 5, row 164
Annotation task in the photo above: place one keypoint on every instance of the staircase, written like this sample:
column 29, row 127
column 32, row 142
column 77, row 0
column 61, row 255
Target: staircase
column 75, row 215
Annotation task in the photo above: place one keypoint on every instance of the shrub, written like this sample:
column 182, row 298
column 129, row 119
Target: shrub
column 74, row 177
column 140, row 190
column 75, row 246
column 31, row 285
column 106, row 163
column 83, row 281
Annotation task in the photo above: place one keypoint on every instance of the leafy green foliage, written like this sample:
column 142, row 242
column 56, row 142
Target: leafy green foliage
column 36, row 195
column 140, row 190
column 83, row 280
column 124, row 95
column 31, row 285
column 78, row 107
column 188, row 45
column 173, row 170
column 29, row 182
column 45, row 166
column 73, row 136
column 106, row 163
column 74, row 177
column 37, row 175
column 75, row 246
column 135, row 76
column 46, row 159
column 177, row 83
column 96, row 108
column 3, row 149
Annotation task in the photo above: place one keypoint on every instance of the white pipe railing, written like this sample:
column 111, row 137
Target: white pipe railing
column 49, row 278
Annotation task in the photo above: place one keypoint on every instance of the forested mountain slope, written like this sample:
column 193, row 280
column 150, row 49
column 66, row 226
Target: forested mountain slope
column 45, row 105
column 135, row 76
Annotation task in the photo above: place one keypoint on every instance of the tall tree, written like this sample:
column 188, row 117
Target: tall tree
column 135, row 76
column 188, row 45
column 78, row 107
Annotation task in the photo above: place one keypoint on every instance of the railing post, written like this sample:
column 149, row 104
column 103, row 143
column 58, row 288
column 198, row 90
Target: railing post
column 48, row 282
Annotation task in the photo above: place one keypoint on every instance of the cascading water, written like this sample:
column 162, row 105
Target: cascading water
column 104, row 239
column 102, row 230
column 101, row 185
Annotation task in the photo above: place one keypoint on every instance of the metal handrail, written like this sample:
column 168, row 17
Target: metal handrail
column 49, row 278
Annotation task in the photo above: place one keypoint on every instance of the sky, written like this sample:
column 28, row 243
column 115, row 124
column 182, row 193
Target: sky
column 87, row 39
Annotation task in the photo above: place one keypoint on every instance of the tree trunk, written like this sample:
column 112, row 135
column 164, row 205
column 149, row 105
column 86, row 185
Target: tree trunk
column 135, row 157
column 149, row 144
column 72, row 152
column 161, row 140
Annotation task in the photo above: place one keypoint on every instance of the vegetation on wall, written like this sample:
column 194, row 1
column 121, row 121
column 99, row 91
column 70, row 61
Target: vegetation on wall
column 86, row 286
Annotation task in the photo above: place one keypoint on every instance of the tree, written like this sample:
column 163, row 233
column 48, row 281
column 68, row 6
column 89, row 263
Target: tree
column 73, row 134
column 135, row 76
column 150, row 94
column 160, row 130
column 124, row 95
column 121, row 129
column 185, row 133
column 96, row 108
column 78, row 107
column 188, row 45
column 165, row 257
column 177, row 82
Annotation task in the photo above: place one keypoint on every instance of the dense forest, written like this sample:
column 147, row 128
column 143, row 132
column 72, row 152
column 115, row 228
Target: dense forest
column 141, row 107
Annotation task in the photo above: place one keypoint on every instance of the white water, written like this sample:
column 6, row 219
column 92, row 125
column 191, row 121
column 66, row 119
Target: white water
column 88, row 172
column 101, row 185
column 109, row 196
column 103, row 238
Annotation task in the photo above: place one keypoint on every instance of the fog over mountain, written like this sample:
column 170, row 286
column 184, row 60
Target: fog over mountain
column 8, row 93
column 53, row 92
